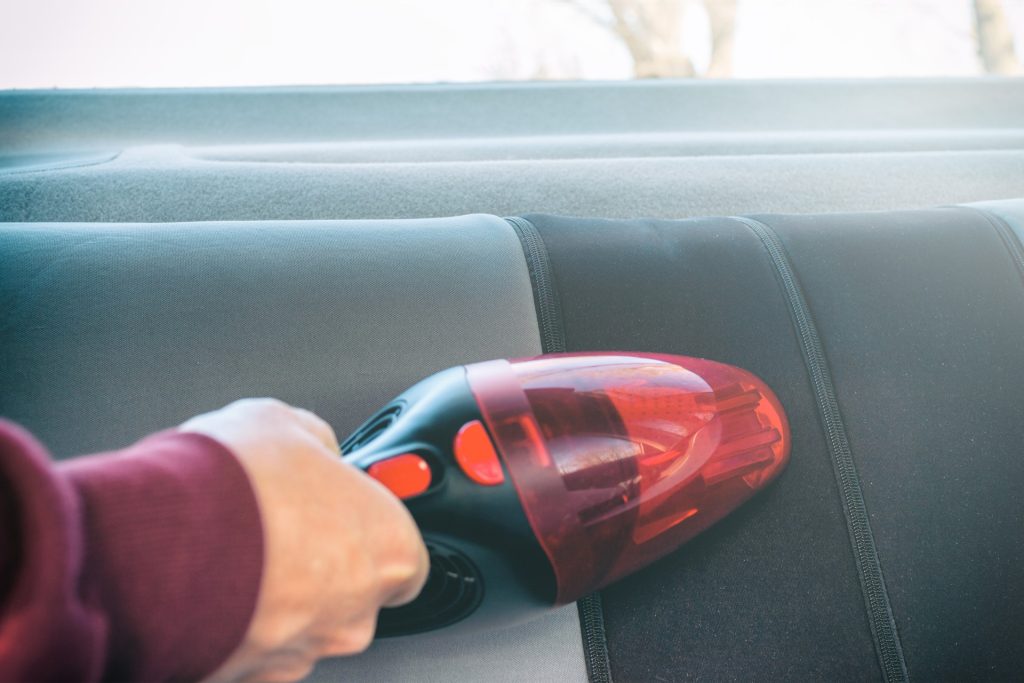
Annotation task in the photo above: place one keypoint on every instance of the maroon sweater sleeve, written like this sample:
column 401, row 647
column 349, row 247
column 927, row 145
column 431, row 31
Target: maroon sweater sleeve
column 143, row 564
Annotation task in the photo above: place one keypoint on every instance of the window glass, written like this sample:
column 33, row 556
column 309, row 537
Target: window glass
column 185, row 43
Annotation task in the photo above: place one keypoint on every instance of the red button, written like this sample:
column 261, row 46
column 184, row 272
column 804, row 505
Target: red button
column 405, row 475
column 476, row 455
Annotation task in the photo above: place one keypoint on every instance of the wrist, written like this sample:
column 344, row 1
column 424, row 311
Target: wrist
column 174, row 552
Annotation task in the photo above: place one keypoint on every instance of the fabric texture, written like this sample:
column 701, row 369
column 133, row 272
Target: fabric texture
column 152, row 184
column 131, row 328
column 47, row 119
column 920, row 316
column 862, row 542
column 669, row 149
column 771, row 591
column 142, row 564
column 545, row 649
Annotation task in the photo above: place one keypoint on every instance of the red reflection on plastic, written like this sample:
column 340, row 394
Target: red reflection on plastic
column 620, row 458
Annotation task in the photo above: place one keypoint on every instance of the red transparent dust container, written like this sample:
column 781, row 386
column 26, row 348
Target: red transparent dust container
column 619, row 458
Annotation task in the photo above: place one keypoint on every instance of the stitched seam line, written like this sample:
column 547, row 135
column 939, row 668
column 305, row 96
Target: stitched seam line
column 869, row 570
column 1006, row 234
column 545, row 297
column 552, row 340
column 60, row 166
column 595, row 642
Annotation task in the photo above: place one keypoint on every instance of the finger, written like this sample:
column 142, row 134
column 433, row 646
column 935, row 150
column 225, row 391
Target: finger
column 411, row 589
column 313, row 424
column 352, row 639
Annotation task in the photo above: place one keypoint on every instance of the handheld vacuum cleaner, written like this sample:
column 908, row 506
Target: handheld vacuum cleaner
column 537, row 481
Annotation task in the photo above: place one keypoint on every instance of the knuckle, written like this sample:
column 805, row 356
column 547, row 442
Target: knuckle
column 363, row 639
column 273, row 406
column 263, row 405
column 352, row 639
column 413, row 564
column 404, row 578
column 361, row 636
column 414, row 553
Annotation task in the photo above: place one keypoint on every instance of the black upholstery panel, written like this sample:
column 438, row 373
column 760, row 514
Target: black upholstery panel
column 922, row 318
column 772, row 591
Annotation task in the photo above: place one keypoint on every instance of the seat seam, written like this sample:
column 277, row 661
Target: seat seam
column 884, row 633
column 552, row 340
column 545, row 295
column 1007, row 235
column 60, row 166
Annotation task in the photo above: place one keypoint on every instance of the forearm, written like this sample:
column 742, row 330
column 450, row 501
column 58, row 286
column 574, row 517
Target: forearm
column 140, row 564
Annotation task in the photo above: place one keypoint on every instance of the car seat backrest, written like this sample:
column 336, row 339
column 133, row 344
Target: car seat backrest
column 891, row 545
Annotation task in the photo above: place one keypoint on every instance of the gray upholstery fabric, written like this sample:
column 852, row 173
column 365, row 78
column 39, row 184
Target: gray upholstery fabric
column 62, row 120
column 1010, row 210
column 546, row 649
column 614, row 146
column 112, row 331
column 665, row 149
column 165, row 184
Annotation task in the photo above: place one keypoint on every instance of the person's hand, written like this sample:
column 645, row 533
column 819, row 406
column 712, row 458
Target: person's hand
column 338, row 545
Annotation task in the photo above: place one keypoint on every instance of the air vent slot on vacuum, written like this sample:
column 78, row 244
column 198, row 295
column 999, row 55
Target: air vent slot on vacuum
column 453, row 591
column 372, row 428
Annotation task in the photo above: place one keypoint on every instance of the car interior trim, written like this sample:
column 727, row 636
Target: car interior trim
column 1009, row 210
column 545, row 295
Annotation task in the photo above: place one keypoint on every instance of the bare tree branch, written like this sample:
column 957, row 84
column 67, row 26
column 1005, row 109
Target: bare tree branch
column 652, row 31
column 722, row 17
column 995, row 41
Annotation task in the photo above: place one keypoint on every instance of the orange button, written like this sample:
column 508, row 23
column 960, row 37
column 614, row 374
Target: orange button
column 405, row 475
column 476, row 455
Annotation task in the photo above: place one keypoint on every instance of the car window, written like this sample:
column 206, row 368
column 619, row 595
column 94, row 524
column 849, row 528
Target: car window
column 195, row 43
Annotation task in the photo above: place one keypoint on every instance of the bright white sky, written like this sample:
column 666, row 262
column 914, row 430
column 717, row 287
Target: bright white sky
column 170, row 43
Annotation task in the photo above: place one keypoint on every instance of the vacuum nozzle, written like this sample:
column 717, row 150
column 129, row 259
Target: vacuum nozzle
column 619, row 459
